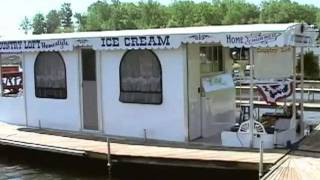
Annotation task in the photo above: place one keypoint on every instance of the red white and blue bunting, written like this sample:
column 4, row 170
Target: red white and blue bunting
column 271, row 93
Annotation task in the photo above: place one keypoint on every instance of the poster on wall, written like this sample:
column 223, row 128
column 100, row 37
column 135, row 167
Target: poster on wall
column 217, row 83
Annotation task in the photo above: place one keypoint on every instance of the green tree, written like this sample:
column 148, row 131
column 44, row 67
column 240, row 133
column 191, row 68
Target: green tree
column 311, row 66
column 26, row 25
column 39, row 24
column 207, row 14
column 284, row 11
column 239, row 12
column 80, row 21
column 114, row 15
column 152, row 14
column 318, row 18
column 132, row 16
column 182, row 13
column 66, row 16
column 97, row 16
column 53, row 21
column 118, row 17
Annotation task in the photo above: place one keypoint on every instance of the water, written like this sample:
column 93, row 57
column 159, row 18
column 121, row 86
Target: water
column 16, row 163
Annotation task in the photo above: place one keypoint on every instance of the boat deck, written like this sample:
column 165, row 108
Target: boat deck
column 171, row 154
column 302, row 163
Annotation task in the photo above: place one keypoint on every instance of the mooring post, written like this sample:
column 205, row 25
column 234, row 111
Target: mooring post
column 109, row 164
column 261, row 159
column 39, row 124
column 145, row 135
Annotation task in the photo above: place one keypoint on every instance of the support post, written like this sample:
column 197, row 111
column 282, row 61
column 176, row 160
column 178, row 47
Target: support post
column 109, row 164
column 261, row 159
column 1, row 78
column 251, row 98
column 301, row 120
column 293, row 120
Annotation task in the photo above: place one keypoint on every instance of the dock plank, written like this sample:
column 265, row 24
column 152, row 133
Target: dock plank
column 312, row 143
column 297, row 168
column 139, row 153
column 303, row 163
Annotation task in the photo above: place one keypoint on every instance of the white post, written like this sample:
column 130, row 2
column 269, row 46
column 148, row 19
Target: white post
column 302, row 89
column 109, row 163
column 251, row 97
column 1, row 78
column 261, row 159
column 293, row 120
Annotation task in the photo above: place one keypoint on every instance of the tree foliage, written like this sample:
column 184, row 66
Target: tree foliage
column 311, row 66
column 283, row 11
column 115, row 15
column 80, row 21
column 239, row 12
column 66, row 15
column 53, row 21
column 39, row 24
column 151, row 15
column 26, row 25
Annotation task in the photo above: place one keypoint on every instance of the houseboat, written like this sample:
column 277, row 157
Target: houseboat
column 172, row 84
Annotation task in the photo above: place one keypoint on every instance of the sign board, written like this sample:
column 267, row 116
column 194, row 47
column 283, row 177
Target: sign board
column 217, row 82
column 36, row 45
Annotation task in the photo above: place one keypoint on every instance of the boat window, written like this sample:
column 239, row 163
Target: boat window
column 140, row 78
column 11, row 75
column 239, row 53
column 211, row 58
column 50, row 76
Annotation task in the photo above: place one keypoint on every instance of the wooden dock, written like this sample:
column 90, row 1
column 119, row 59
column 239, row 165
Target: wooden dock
column 171, row 155
column 302, row 163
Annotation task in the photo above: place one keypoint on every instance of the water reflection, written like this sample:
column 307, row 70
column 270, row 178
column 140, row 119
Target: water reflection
column 18, row 163
column 25, row 164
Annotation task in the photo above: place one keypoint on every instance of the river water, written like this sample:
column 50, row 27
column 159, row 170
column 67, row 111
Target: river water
column 16, row 163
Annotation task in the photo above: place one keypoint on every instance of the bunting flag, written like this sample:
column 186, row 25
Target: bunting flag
column 271, row 93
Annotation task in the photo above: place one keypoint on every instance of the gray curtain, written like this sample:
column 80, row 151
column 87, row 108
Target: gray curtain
column 50, row 76
column 140, row 76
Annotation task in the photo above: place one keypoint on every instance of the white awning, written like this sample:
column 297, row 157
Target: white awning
column 256, row 35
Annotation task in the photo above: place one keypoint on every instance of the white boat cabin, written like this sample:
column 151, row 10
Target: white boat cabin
column 170, row 84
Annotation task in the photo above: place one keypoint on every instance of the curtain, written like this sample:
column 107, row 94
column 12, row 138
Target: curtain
column 140, row 76
column 50, row 76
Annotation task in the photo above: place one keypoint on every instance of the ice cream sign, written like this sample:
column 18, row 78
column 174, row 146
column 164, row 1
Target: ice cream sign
column 252, row 39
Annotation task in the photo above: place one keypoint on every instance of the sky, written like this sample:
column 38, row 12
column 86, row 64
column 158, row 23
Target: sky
column 12, row 12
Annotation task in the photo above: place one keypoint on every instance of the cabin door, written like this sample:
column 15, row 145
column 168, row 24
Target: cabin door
column 194, row 94
column 89, row 90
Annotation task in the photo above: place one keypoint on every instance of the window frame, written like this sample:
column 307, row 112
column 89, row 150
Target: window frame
column 217, row 47
column 20, row 65
column 65, row 79
column 125, row 91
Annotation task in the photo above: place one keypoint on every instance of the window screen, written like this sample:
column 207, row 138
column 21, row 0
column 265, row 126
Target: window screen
column 50, row 76
column 140, row 78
